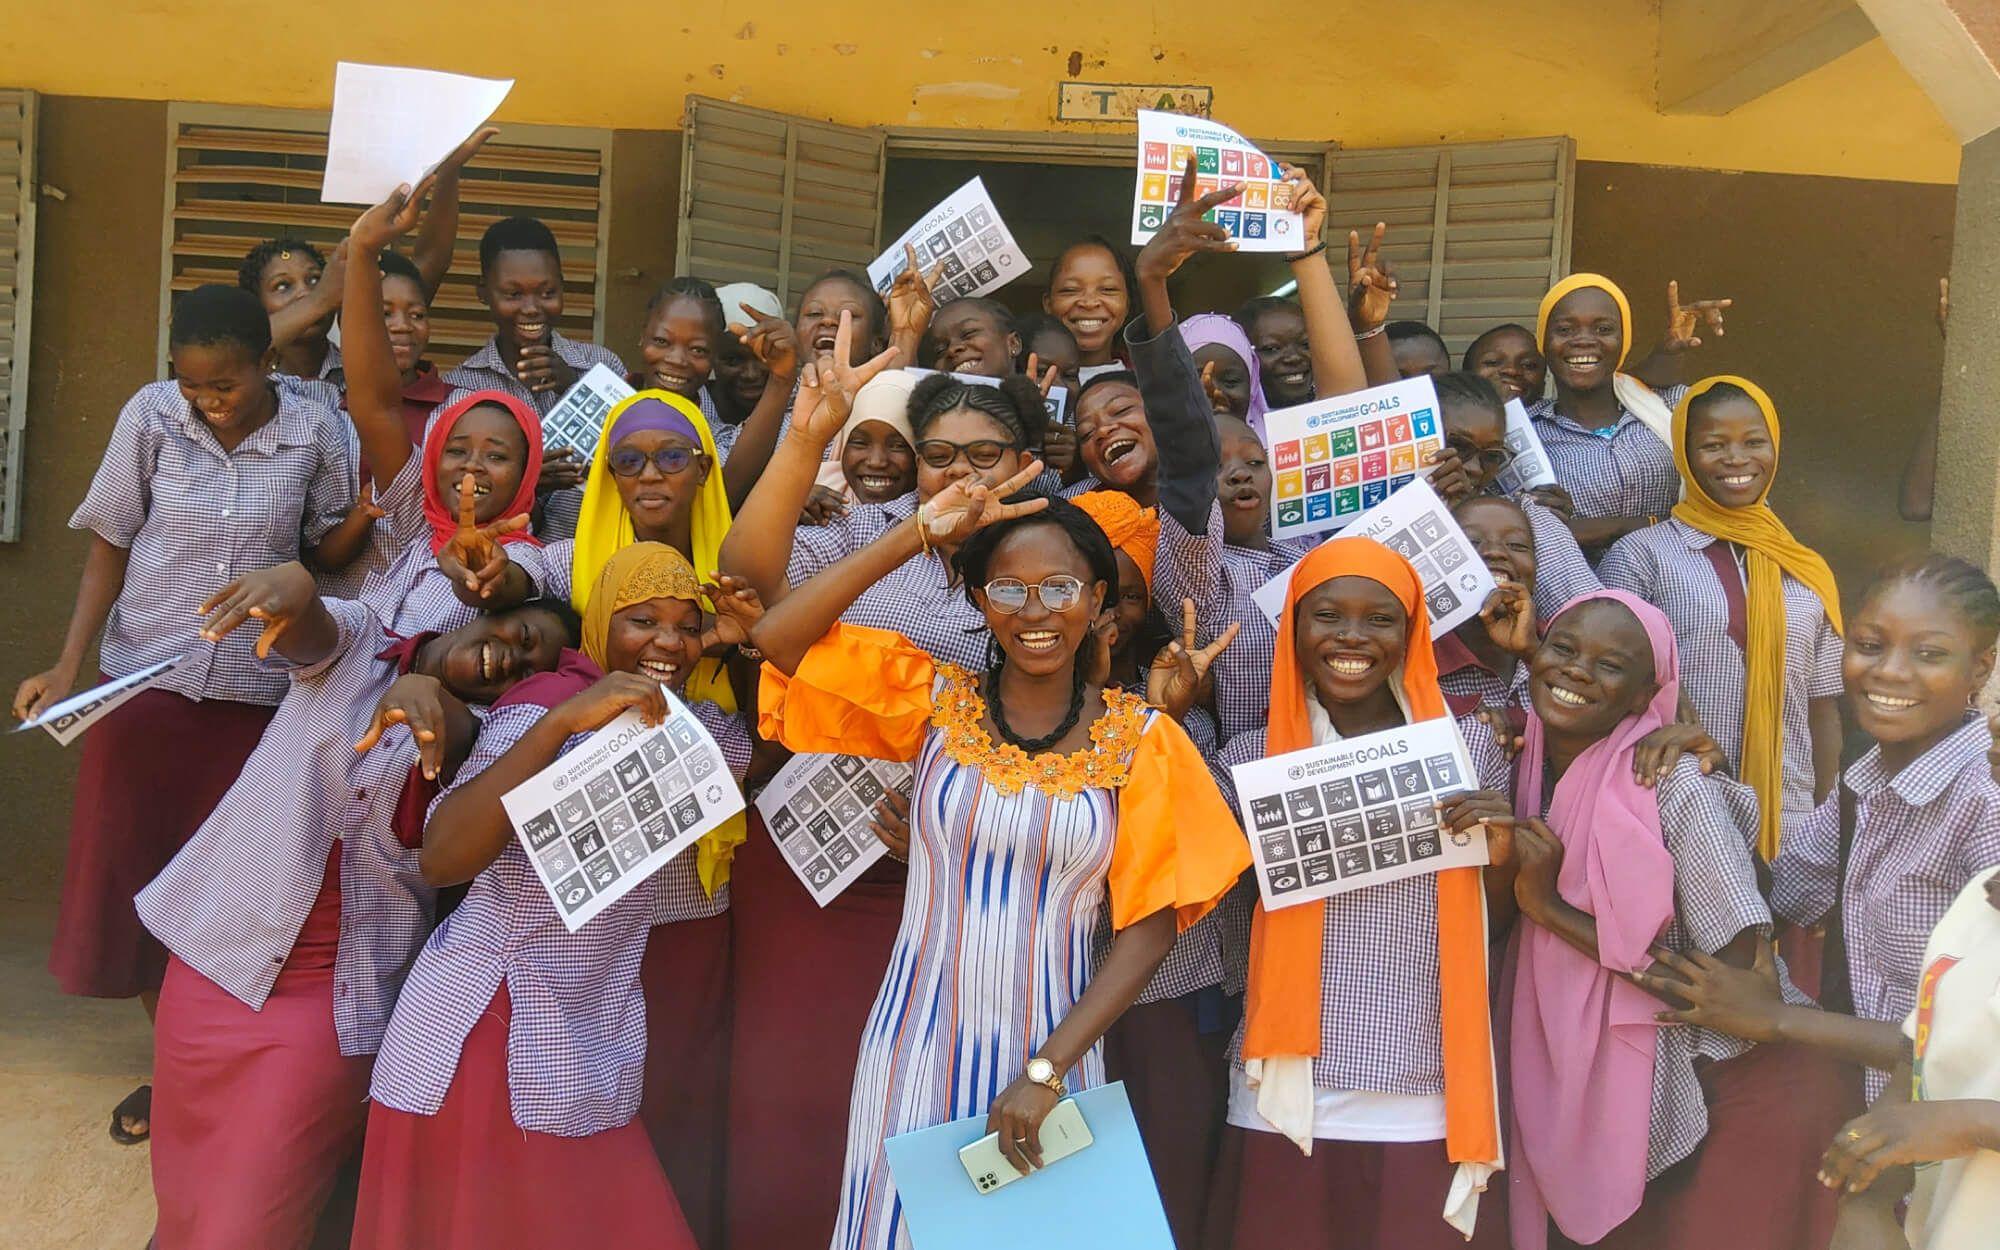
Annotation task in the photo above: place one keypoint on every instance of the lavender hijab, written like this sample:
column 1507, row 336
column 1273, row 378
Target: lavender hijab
column 1581, row 1038
column 1203, row 329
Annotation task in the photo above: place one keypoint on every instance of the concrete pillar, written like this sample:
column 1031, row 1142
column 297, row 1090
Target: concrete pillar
column 1966, row 517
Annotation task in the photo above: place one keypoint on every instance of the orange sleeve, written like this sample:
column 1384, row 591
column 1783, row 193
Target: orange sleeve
column 1178, row 843
column 858, row 691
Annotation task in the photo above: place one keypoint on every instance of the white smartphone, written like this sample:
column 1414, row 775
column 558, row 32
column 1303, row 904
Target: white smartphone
column 1063, row 1133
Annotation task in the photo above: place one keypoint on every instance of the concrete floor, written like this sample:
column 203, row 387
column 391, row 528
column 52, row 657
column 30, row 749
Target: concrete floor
column 64, row 1063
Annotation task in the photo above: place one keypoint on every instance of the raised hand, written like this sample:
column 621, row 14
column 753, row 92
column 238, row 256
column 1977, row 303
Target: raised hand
column 464, row 152
column 1684, row 321
column 1185, row 232
column 1371, row 280
column 737, row 609
column 275, row 596
column 390, row 220
column 969, row 505
column 417, row 701
column 1509, row 617
column 1308, row 203
column 1177, row 671
column 1045, row 380
column 912, row 299
column 770, row 339
column 828, row 385
column 474, row 555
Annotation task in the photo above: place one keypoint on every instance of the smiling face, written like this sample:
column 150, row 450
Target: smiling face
column 1114, row 438
column 1729, row 450
column 1479, row 435
column 1349, row 636
column 1584, row 339
column 656, row 638
column 676, row 348
column 225, row 385
column 1594, row 668
column 819, row 318
column 488, row 443
column 1419, row 356
column 288, row 277
column 1038, row 642
column 1243, row 484
column 1911, row 664
column 878, row 464
column 965, row 337
column 739, row 375
column 408, row 315
column 1283, row 356
column 1087, row 293
column 524, row 292
column 657, row 501
column 1510, row 360
column 1499, row 531
column 480, row 661
column 1231, row 378
column 964, row 426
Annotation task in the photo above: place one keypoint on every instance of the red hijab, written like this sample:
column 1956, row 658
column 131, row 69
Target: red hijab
column 441, row 504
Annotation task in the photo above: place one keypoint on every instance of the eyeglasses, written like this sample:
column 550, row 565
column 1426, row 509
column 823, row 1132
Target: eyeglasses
column 1490, row 460
column 981, row 453
column 631, row 462
column 1008, row 595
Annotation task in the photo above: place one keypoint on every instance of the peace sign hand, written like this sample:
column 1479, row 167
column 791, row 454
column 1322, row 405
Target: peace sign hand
column 1184, row 232
column 1371, row 280
column 969, row 505
column 1177, row 671
column 828, row 385
column 1684, row 320
column 474, row 556
column 771, row 340
column 912, row 299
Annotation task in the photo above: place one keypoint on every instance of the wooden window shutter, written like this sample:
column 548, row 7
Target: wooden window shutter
column 1478, row 231
column 17, row 281
column 773, row 199
column 239, row 176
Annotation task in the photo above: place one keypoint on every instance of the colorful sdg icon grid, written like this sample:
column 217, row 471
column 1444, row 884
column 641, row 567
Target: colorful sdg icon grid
column 1314, row 834
column 1249, row 216
column 1345, row 472
column 608, row 826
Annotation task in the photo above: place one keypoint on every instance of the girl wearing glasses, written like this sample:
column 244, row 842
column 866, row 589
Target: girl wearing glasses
column 1038, row 793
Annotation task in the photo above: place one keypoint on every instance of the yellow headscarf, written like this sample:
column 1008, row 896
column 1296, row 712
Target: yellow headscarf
column 1633, row 395
column 634, row 574
column 1770, row 553
column 604, row 528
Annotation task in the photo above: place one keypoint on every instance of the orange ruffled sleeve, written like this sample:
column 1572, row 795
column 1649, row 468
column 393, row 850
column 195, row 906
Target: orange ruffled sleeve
column 1178, row 843
column 858, row 691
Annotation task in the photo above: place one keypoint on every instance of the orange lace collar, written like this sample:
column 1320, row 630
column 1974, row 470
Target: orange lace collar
column 959, row 709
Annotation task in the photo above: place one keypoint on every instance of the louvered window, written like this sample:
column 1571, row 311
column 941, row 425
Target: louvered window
column 775, row 200
column 239, row 176
column 17, row 283
column 1478, row 231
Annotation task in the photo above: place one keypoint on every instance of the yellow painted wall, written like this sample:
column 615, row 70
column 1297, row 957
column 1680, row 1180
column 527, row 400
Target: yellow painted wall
column 1369, row 75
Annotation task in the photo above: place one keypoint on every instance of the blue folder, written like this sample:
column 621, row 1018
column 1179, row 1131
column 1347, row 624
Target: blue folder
column 1100, row 1198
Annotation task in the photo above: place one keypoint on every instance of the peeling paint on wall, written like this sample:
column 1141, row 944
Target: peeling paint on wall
column 969, row 90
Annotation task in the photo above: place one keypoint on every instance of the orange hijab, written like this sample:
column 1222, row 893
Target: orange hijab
column 1283, row 1002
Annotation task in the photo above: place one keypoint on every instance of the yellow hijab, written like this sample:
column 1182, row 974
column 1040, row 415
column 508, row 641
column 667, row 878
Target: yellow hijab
column 634, row 574
column 1770, row 553
column 604, row 528
column 1633, row 395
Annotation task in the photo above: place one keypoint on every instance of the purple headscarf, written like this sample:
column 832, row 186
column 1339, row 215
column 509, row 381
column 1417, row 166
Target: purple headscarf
column 1203, row 329
column 1581, row 1040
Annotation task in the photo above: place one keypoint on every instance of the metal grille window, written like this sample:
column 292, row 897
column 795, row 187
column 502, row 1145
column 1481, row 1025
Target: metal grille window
column 1478, row 231
column 17, row 283
column 239, row 176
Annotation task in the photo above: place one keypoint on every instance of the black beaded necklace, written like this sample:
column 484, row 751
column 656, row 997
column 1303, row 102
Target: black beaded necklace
column 1034, row 746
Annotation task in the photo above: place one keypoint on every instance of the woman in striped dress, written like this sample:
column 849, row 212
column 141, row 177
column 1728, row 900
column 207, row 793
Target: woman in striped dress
column 1037, row 784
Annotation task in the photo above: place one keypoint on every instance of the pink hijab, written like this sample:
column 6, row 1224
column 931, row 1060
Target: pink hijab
column 1581, row 1038
column 1202, row 329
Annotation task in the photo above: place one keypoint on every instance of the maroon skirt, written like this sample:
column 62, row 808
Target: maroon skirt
column 685, row 977
column 1752, row 1181
column 253, row 1111
column 150, row 773
column 1345, row 1196
column 469, row 1178
column 1178, row 1080
column 805, row 979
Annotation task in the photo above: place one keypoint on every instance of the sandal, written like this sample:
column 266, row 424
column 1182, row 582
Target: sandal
column 137, row 1108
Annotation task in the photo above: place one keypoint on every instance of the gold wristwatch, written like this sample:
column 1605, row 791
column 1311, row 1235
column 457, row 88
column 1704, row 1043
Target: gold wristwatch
column 1042, row 1072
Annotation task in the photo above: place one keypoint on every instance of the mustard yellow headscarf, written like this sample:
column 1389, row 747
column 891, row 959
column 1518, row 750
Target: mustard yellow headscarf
column 1633, row 395
column 634, row 574
column 604, row 528
column 1770, row 553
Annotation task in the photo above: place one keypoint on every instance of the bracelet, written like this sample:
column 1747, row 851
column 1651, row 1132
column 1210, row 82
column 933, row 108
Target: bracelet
column 922, row 517
column 1308, row 254
column 1369, row 334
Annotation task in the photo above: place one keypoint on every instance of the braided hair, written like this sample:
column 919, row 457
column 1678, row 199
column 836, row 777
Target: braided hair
column 250, row 273
column 1962, row 584
column 1015, row 404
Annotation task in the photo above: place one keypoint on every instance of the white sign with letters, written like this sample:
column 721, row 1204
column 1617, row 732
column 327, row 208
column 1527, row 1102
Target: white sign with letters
column 963, row 240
